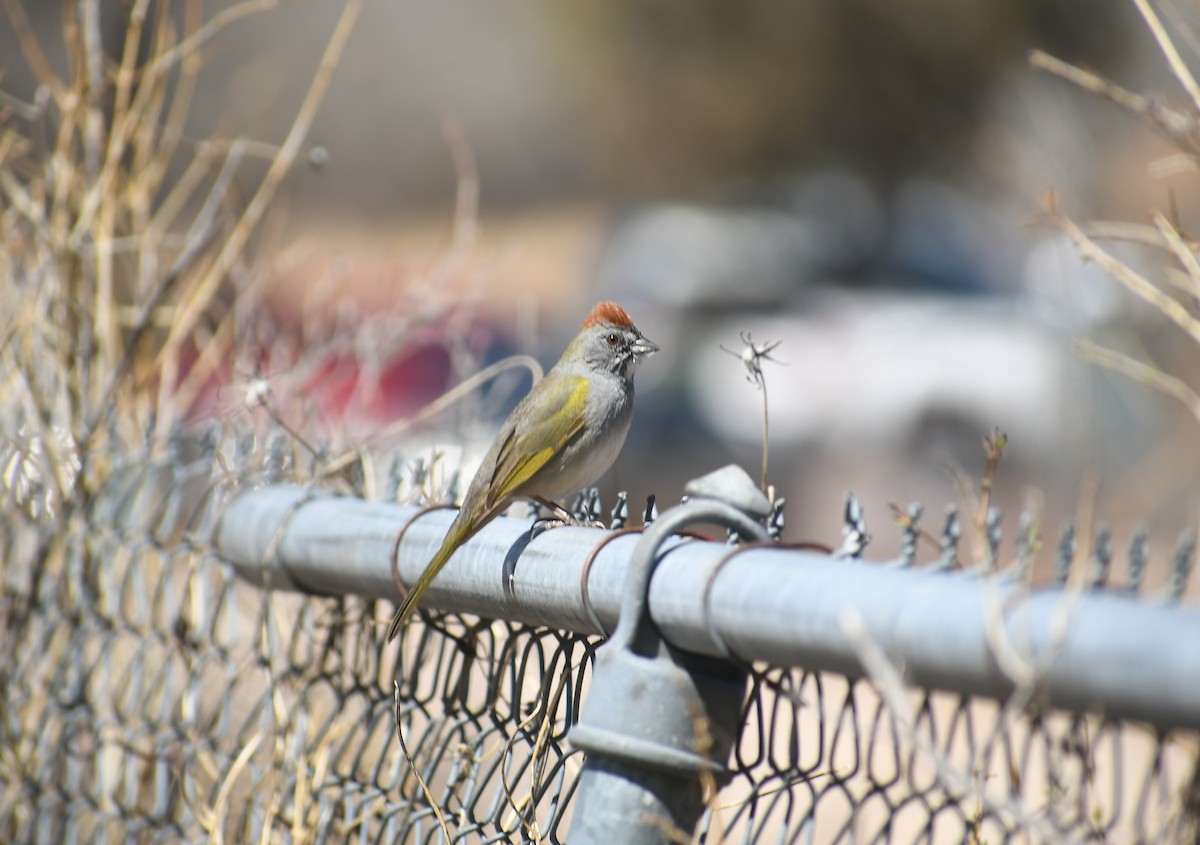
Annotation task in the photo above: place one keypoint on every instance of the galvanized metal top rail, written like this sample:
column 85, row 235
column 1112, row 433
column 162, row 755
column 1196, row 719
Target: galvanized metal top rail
column 1124, row 655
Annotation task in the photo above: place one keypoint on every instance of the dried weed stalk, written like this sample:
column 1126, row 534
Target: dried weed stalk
column 1176, row 294
column 120, row 242
column 123, row 288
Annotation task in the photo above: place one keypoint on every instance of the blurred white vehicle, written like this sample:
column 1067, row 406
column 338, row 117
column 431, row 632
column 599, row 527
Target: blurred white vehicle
column 898, row 370
column 920, row 322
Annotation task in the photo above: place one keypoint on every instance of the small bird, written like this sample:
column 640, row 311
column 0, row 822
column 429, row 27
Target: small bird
column 562, row 436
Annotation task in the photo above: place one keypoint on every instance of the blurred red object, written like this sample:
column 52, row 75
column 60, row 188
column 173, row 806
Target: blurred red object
column 341, row 391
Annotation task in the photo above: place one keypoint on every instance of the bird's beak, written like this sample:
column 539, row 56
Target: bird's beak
column 641, row 346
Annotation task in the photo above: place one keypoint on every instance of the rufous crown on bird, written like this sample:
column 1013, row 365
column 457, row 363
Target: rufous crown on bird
column 608, row 312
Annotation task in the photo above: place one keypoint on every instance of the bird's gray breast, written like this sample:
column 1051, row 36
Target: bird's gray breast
column 590, row 453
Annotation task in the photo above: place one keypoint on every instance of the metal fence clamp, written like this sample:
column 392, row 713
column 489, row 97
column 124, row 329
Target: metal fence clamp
column 659, row 723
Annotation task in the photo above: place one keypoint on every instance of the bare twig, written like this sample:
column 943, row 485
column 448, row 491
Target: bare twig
column 993, row 448
column 1178, row 66
column 206, row 33
column 30, row 47
column 1094, row 83
column 1180, row 127
column 201, row 294
column 1184, row 252
column 1132, row 280
column 429, row 797
column 1121, row 231
column 221, row 805
column 1141, row 372
column 198, row 241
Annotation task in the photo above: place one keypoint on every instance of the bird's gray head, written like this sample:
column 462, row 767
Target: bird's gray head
column 610, row 342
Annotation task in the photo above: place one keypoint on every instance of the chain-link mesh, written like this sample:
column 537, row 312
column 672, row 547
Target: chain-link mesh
column 152, row 695
column 828, row 762
column 147, row 694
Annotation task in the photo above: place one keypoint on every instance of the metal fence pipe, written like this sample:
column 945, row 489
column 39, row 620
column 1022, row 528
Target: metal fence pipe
column 1128, row 656
column 289, row 537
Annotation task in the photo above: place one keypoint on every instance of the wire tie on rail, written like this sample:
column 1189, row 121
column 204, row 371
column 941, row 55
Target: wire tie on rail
column 584, row 574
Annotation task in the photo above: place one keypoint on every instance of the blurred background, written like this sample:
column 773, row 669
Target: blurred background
column 859, row 181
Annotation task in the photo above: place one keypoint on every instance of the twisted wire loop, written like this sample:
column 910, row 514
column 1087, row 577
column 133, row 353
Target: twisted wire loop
column 395, row 555
column 711, row 579
column 585, row 593
column 149, row 694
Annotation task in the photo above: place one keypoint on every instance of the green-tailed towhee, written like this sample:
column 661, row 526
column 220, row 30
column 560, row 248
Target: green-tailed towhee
column 562, row 436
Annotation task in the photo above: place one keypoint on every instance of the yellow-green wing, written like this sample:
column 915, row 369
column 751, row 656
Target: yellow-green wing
column 528, row 447
column 531, row 444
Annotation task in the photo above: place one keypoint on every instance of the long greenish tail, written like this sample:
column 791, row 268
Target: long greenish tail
column 459, row 533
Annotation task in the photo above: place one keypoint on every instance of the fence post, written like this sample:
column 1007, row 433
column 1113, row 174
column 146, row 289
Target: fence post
column 658, row 722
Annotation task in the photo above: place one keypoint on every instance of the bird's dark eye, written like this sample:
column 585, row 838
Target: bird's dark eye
column 612, row 338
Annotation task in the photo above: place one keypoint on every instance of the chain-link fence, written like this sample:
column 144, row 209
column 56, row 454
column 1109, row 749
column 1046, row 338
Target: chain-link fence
column 174, row 668
column 153, row 693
